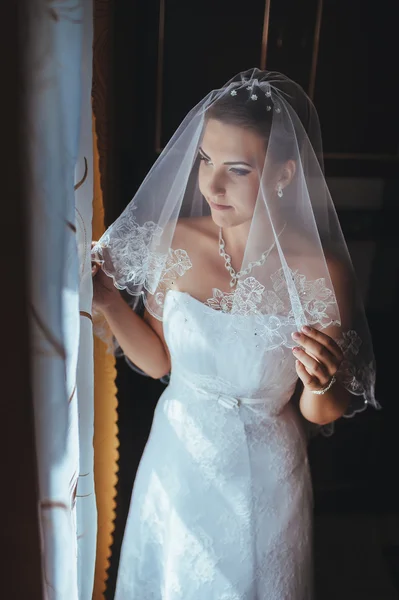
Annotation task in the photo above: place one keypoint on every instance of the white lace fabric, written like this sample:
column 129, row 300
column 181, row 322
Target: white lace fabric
column 136, row 268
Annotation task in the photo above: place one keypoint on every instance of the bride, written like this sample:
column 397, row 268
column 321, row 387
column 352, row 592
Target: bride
column 241, row 288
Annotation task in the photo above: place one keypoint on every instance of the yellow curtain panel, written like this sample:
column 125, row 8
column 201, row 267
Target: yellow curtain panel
column 105, row 421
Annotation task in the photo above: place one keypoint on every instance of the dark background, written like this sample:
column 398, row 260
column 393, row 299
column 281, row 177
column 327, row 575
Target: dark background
column 165, row 56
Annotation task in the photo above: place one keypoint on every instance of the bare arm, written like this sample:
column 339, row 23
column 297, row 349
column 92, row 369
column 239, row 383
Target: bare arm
column 141, row 340
column 138, row 340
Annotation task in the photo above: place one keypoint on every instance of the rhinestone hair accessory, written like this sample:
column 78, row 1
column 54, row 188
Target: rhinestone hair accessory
column 255, row 88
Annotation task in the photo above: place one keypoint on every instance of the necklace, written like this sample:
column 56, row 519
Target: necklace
column 235, row 275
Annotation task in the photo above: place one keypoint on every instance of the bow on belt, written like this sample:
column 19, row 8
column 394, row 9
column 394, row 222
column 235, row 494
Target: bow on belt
column 226, row 400
column 232, row 402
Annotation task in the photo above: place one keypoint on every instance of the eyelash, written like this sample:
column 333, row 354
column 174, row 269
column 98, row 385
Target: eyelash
column 238, row 172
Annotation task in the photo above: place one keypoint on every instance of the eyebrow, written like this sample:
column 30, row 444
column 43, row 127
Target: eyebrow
column 238, row 162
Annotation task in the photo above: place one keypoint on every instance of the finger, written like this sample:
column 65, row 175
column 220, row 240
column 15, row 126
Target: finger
column 324, row 340
column 303, row 374
column 318, row 351
column 94, row 264
column 314, row 367
column 94, row 253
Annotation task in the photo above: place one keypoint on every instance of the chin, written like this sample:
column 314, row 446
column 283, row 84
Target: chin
column 222, row 219
column 227, row 219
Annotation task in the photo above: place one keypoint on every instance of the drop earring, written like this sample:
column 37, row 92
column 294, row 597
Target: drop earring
column 279, row 191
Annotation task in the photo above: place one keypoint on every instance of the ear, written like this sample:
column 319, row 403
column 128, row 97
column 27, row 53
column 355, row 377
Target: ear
column 287, row 173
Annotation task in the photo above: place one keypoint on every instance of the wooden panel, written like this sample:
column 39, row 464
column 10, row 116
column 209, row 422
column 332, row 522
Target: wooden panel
column 292, row 39
column 356, row 86
column 102, row 96
column 203, row 49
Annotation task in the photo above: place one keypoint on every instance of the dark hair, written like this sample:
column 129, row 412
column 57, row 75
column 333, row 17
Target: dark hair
column 257, row 115
column 241, row 111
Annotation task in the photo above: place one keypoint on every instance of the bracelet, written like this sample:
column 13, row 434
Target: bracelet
column 324, row 390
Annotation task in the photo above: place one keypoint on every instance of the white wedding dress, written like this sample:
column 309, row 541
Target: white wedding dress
column 222, row 502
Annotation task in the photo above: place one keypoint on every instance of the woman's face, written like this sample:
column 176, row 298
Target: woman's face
column 232, row 159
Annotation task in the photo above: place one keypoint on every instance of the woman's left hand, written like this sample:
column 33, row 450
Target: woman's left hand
column 318, row 358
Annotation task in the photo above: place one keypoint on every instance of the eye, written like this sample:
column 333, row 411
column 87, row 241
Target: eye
column 240, row 172
column 204, row 159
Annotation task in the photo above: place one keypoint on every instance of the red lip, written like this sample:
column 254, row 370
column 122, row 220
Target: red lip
column 219, row 206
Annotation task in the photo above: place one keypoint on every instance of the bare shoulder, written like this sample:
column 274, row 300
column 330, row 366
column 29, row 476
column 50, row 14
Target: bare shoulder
column 193, row 232
column 303, row 256
column 310, row 265
column 340, row 272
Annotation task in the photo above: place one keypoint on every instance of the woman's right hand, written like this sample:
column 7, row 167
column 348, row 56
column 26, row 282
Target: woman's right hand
column 104, row 290
column 138, row 339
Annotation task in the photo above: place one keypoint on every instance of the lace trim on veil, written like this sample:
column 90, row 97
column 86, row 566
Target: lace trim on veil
column 137, row 264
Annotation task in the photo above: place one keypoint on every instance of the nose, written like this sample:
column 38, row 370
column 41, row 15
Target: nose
column 216, row 186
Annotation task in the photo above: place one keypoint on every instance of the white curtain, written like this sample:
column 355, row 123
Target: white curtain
column 60, row 145
column 85, row 502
